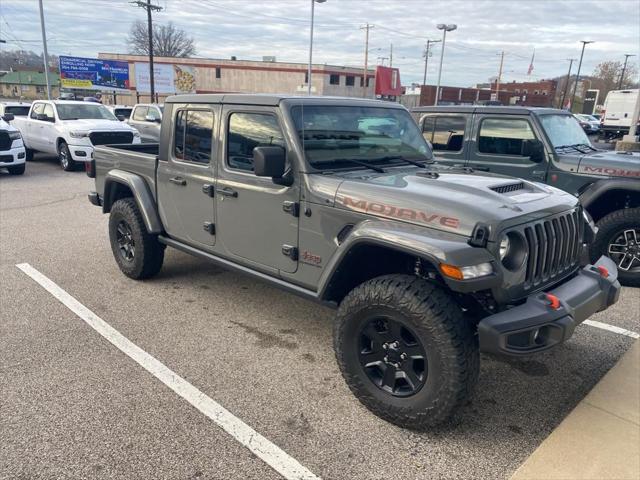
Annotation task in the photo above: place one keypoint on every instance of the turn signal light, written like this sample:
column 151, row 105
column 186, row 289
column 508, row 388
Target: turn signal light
column 554, row 302
column 603, row 271
column 451, row 271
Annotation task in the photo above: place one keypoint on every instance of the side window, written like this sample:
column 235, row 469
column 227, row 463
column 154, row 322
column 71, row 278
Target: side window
column 334, row 79
column 504, row 136
column 193, row 136
column 153, row 113
column 248, row 131
column 140, row 113
column 446, row 133
column 37, row 109
column 48, row 111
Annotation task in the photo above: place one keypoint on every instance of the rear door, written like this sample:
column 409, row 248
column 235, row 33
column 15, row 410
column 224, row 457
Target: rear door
column 257, row 218
column 497, row 146
column 448, row 135
column 186, row 175
column 138, row 121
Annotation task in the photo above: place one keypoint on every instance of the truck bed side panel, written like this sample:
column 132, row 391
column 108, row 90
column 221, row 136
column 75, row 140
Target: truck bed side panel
column 139, row 159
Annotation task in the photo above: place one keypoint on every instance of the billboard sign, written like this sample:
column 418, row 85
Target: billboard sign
column 93, row 73
column 387, row 82
column 590, row 102
column 168, row 78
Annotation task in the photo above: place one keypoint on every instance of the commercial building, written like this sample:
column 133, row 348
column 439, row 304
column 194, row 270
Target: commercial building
column 28, row 85
column 199, row 75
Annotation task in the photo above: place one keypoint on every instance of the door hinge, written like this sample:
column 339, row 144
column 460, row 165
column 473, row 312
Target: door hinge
column 290, row 251
column 208, row 190
column 209, row 227
column 292, row 208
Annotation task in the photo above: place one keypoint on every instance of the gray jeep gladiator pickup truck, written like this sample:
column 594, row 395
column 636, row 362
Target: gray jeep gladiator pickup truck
column 548, row 145
column 338, row 200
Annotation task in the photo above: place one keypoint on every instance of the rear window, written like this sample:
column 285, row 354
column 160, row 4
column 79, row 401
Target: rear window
column 193, row 135
column 504, row 136
column 18, row 110
column 125, row 112
column 445, row 132
column 140, row 113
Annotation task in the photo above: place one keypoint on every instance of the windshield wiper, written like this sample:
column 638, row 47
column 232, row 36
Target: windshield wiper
column 350, row 160
column 404, row 159
column 576, row 146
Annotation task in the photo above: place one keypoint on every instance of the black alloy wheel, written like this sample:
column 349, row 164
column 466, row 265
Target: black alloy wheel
column 126, row 244
column 392, row 357
column 624, row 250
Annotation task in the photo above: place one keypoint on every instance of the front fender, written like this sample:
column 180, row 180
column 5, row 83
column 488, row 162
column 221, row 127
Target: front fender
column 598, row 188
column 434, row 246
column 141, row 193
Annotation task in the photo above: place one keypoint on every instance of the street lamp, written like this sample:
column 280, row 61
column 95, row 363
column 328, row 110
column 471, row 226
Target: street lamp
column 575, row 85
column 445, row 29
column 624, row 69
column 313, row 4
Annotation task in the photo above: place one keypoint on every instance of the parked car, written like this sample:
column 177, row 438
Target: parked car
column 147, row 118
column 547, row 145
column 618, row 112
column 12, row 152
column 426, row 264
column 122, row 112
column 70, row 130
column 589, row 123
column 17, row 109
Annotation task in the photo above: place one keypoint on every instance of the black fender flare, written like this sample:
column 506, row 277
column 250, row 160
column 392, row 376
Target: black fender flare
column 594, row 191
column 141, row 194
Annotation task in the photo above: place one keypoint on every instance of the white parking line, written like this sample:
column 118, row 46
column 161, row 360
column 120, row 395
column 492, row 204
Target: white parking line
column 270, row 453
column 611, row 328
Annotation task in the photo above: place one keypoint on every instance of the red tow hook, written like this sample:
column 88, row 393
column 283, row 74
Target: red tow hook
column 603, row 271
column 554, row 302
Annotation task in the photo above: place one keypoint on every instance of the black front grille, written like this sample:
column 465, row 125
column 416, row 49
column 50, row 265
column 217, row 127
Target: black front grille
column 105, row 138
column 6, row 158
column 512, row 187
column 554, row 247
column 5, row 141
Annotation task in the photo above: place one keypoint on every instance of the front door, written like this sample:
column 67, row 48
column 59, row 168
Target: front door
column 447, row 133
column 498, row 146
column 254, row 224
column 186, row 177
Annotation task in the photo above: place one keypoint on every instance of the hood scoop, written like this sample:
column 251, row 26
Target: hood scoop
column 508, row 188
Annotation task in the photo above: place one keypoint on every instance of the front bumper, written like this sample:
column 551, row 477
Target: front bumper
column 13, row 156
column 535, row 326
column 81, row 153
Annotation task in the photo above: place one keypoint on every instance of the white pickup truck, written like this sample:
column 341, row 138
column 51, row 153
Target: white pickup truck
column 70, row 130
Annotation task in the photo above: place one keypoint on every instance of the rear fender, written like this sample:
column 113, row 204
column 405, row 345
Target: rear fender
column 140, row 192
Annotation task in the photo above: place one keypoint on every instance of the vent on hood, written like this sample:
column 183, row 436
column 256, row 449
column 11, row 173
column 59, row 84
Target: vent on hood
column 512, row 187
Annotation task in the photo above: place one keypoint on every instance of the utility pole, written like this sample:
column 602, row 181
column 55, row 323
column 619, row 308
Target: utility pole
column 366, row 57
column 46, row 54
column 426, row 59
column 499, row 76
column 566, row 85
column 391, row 55
column 624, row 68
column 149, row 8
column 575, row 85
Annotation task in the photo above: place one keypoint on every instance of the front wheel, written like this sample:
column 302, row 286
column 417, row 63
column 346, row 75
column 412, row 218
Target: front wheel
column 619, row 239
column 405, row 350
column 138, row 253
column 64, row 156
column 16, row 169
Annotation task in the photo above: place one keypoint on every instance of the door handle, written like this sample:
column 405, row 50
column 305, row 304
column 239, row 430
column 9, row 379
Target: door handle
column 228, row 192
column 178, row 181
column 538, row 174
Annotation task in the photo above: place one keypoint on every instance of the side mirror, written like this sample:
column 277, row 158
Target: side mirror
column 120, row 117
column 152, row 119
column 43, row 117
column 7, row 117
column 269, row 161
column 534, row 149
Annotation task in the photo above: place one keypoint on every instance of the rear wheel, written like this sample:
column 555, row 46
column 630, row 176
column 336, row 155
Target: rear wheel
column 64, row 156
column 16, row 169
column 405, row 350
column 138, row 253
column 619, row 239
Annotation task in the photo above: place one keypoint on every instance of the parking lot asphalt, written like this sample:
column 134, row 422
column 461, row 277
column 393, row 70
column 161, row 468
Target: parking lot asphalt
column 73, row 406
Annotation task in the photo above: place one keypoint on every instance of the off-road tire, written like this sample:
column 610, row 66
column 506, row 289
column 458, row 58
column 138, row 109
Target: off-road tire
column 607, row 227
column 16, row 169
column 28, row 154
column 64, row 157
column 449, row 339
column 149, row 252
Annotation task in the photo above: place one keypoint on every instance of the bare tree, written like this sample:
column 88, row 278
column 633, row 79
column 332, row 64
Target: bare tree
column 607, row 75
column 168, row 40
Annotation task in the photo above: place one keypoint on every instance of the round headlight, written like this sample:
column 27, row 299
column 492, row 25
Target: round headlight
column 505, row 244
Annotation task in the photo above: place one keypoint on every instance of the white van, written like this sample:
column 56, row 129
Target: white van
column 618, row 111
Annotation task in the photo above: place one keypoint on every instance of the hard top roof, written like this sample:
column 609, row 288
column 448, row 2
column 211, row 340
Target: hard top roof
column 275, row 99
column 502, row 110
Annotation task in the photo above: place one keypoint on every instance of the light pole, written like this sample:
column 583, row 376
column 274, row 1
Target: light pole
column 575, row 85
column 445, row 29
column 566, row 85
column 313, row 5
column 46, row 54
column 624, row 69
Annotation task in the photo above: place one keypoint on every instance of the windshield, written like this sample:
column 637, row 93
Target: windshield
column 331, row 136
column 18, row 111
column 71, row 111
column 563, row 130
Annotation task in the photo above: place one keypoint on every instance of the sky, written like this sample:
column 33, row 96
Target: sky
column 250, row 29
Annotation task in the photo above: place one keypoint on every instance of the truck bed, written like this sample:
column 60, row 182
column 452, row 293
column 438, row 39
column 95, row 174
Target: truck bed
column 140, row 159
